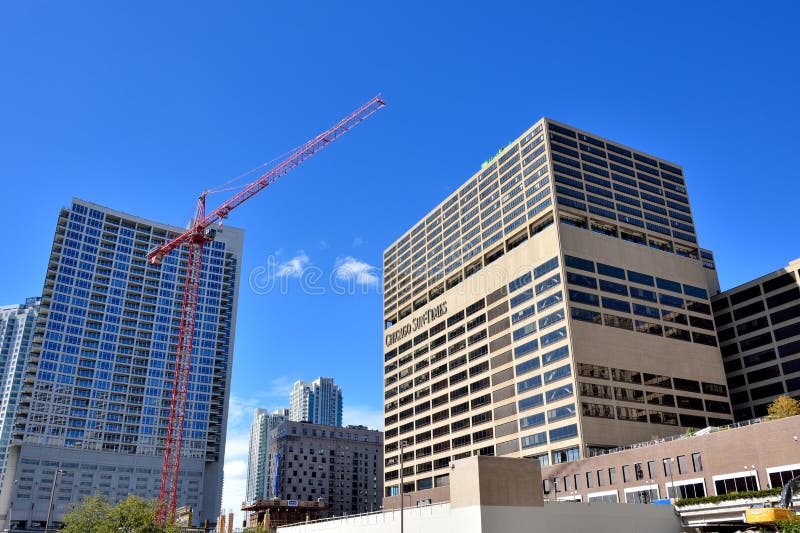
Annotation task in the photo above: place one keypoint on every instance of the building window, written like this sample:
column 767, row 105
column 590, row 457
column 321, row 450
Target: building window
column 697, row 462
column 745, row 482
column 651, row 469
column 682, row 467
column 686, row 490
column 782, row 477
column 645, row 495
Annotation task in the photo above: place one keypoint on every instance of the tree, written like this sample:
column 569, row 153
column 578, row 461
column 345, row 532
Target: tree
column 782, row 407
column 132, row 515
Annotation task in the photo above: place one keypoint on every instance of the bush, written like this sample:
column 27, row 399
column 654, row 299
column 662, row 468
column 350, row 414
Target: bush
column 747, row 494
column 782, row 407
column 785, row 526
column 132, row 515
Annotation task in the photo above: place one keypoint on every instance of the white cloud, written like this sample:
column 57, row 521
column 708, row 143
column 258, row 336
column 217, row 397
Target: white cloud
column 294, row 267
column 361, row 415
column 235, row 485
column 358, row 241
column 237, row 445
column 352, row 269
column 234, row 489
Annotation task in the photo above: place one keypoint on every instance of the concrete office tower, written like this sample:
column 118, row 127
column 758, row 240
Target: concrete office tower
column 318, row 402
column 258, row 456
column 96, row 392
column 758, row 325
column 341, row 466
column 16, row 332
column 555, row 305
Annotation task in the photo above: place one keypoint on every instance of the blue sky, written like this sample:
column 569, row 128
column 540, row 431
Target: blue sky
column 140, row 106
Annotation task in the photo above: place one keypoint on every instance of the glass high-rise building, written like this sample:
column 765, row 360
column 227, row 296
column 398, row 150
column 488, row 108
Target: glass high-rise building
column 258, row 456
column 554, row 306
column 318, row 402
column 16, row 332
column 95, row 398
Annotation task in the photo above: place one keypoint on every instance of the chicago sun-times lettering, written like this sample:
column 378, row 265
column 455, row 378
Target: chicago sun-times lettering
column 418, row 322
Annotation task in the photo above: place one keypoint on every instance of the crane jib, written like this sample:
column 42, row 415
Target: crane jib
column 195, row 238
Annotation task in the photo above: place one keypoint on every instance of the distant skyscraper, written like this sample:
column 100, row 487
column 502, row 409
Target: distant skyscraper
column 96, row 394
column 318, row 402
column 258, row 458
column 16, row 330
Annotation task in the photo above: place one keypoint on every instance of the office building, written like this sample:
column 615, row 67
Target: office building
column 340, row 466
column 554, row 306
column 16, row 332
column 318, row 402
column 96, row 391
column 758, row 326
column 258, row 456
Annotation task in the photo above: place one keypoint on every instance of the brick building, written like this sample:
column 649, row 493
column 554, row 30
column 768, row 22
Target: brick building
column 337, row 465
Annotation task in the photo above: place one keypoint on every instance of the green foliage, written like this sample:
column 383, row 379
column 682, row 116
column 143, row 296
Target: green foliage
column 132, row 515
column 748, row 494
column 786, row 526
column 782, row 407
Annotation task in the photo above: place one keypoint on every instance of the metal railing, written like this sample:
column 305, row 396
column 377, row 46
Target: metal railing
column 372, row 513
column 706, row 431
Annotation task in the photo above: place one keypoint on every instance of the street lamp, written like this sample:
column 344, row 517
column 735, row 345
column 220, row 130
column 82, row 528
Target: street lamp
column 52, row 498
column 671, row 480
column 403, row 444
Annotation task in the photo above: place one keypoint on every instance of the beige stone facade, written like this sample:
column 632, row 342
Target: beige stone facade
column 556, row 305
column 758, row 324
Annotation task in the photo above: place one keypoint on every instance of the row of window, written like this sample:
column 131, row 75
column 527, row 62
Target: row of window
column 639, row 278
column 723, row 484
column 773, row 284
column 421, row 285
column 765, row 338
column 463, row 236
column 639, row 471
column 640, row 326
column 596, row 170
column 650, row 380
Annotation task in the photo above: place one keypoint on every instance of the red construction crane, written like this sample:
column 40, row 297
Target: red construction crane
column 199, row 233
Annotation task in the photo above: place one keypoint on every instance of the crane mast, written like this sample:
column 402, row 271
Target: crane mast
column 194, row 238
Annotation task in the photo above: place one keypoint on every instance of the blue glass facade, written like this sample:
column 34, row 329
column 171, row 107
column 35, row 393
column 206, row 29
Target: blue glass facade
column 101, row 365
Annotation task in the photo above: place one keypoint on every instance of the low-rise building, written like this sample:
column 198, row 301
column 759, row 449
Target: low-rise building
column 747, row 456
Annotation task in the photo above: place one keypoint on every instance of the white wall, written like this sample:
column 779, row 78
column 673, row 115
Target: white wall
column 567, row 516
